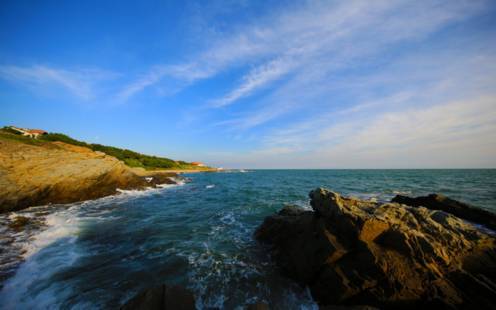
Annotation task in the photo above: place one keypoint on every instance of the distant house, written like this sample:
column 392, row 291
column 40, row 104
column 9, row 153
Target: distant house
column 198, row 164
column 33, row 133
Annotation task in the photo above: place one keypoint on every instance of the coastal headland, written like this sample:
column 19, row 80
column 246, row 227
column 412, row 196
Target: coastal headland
column 37, row 172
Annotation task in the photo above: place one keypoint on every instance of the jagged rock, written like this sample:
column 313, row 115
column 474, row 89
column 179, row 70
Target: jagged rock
column 162, row 297
column 290, row 210
column 457, row 208
column 354, row 252
column 19, row 222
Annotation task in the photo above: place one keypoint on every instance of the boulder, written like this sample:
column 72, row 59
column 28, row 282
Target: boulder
column 353, row 252
column 162, row 297
column 457, row 208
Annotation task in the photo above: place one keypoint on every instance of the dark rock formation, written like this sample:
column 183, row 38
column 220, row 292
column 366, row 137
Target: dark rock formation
column 19, row 222
column 162, row 297
column 457, row 208
column 353, row 252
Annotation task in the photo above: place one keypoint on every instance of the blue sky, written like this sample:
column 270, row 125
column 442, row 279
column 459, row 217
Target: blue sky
column 259, row 84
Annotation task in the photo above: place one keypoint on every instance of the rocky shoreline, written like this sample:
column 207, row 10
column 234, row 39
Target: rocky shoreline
column 358, row 254
column 353, row 252
column 407, row 253
column 53, row 173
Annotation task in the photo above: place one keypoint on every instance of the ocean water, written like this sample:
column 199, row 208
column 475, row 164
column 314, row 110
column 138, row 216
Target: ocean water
column 97, row 254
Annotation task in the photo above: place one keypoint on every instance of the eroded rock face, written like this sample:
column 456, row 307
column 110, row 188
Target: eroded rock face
column 354, row 252
column 459, row 209
column 56, row 172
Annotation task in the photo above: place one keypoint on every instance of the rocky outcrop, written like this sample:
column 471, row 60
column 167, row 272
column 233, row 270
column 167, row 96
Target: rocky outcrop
column 162, row 297
column 354, row 252
column 457, row 208
column 61, row 173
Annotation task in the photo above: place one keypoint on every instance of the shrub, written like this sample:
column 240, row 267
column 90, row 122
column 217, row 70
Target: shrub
column 131, row 162
column 18, row 137
column 10, row 130
column 62, row 138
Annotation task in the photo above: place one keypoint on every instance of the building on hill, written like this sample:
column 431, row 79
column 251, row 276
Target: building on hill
column 33, row 133
column 198, row 164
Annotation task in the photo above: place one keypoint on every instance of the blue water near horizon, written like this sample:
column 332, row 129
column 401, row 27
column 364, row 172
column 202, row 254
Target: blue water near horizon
column 98, row 254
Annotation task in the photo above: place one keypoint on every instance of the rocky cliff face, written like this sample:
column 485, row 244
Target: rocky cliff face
column 457, row 208
column 354, row 252
column 61, row 173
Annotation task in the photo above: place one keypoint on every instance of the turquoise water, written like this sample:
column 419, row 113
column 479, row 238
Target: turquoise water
column 97, row 254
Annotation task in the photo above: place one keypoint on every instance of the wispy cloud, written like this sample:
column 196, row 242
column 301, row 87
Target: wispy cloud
column 144, row 81
column 38, row 77
column 447, row 135
column 255, row 79
column 325, row 33
column 451, row 134
column 431, row 108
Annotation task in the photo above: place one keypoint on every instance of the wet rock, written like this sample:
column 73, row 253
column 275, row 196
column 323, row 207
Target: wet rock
column 162, row 178
column 291, row 210
column 162, row 297
column 457, row 208
column 352, row 252
column 19, row 222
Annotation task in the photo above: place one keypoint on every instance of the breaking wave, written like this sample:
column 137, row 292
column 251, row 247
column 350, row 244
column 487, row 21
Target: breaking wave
column 98, row 254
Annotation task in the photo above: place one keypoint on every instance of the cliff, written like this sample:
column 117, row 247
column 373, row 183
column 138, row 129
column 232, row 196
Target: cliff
column 39, row 173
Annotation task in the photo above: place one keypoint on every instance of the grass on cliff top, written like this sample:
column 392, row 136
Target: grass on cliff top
column 130, row 158
column 17, row 137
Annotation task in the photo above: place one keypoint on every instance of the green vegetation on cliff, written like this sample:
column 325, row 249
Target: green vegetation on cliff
column 12, row 135
column 130, row 158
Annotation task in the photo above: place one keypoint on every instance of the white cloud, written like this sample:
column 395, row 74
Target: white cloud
column 38, row 77
column 323, row 33
column 324, row 41
column 146, row 80
column 256, row 79
column 450, row 135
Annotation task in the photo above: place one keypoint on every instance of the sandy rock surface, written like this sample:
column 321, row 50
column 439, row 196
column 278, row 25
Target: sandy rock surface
column 60, row 173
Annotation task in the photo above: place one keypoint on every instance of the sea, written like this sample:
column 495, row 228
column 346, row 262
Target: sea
column 199, row 234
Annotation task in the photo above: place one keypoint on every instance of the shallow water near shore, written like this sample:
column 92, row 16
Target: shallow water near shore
column 98, row 254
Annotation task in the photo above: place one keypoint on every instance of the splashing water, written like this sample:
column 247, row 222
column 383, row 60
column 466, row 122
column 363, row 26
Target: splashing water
column 98, row 254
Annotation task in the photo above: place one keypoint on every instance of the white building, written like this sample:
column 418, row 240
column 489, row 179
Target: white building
column 33, row 133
